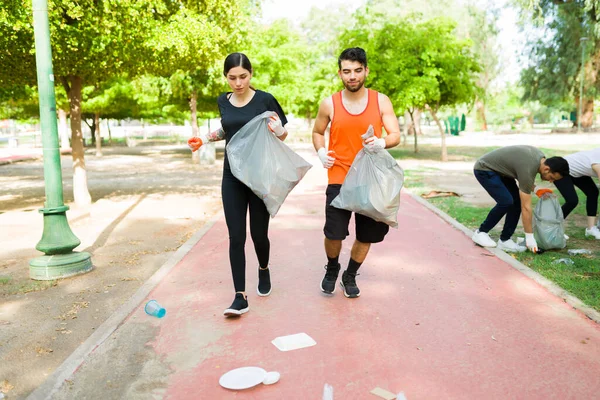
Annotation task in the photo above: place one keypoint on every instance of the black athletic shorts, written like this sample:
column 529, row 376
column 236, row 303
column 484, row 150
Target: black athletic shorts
column 337, row 220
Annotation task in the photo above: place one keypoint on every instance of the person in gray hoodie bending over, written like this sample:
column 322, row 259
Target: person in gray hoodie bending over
column 498, row 172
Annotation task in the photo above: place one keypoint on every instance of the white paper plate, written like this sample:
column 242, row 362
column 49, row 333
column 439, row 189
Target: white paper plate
column 242, row 378
column 293, row 342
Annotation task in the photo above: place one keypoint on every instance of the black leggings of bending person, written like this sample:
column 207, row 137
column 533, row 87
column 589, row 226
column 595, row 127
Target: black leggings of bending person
column 237, row 199
column 566, row 187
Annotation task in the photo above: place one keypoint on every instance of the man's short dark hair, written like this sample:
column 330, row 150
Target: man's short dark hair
column 353, row 54
column 558, row 164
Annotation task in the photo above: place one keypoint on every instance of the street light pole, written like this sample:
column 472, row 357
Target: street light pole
column 582, row 43
column 58, row 241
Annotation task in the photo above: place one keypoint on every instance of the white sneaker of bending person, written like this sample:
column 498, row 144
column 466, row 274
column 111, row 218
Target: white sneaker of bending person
column 593, row 232
column 510, row 246
column 483, row 239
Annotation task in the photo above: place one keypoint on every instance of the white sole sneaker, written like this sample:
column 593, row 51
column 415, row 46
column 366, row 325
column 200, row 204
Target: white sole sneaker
column 263, row 294
column 483, row 239
column 508, row 249
column 230, row 312
column 592, row 234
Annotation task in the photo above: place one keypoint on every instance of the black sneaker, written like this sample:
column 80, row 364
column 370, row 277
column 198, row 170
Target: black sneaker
column 328, row 282
column 264, row 282
column 238, row 307
column 348, row 282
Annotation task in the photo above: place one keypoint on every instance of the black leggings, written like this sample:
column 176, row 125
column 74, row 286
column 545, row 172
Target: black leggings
column 237, row 197
column 566, row 187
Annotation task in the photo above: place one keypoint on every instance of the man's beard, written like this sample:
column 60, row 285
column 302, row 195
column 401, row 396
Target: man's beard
column 354, row 89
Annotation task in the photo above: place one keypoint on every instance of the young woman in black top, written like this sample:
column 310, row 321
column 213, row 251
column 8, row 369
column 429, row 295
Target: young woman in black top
column 237, row 108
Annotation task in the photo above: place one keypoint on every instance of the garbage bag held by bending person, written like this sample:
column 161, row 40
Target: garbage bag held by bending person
column 264, row 163
column 548, row 223
column 372, row 185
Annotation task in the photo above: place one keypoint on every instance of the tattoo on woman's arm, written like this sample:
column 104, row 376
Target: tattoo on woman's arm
column 217, row 135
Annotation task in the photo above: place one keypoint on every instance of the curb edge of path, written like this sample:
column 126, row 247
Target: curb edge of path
column 53, row 383
column 546, row 283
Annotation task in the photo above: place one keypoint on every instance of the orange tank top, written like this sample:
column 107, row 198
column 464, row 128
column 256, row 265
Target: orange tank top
column 345, row 132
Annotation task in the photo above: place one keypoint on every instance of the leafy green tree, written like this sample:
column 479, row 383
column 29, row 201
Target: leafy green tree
column 555, row 70
column 94, row 41
column 418, row 64
column 285, row 65
column 91, row 40
column 18, row 102
column 193, row 41
column 321, row 29
column 483, row 32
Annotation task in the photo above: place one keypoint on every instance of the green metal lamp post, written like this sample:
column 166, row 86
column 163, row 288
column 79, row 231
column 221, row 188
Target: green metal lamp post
column 58, row 241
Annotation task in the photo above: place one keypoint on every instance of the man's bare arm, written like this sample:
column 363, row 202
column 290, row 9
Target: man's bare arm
column 390, row 121
column 526, row 212
column 321, row 123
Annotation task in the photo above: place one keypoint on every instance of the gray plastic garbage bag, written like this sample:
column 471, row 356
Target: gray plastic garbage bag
column 264, row 163
column 372, row 186
column 548, row 223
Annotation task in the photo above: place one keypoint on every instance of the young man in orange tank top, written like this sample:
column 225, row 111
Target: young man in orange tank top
column 350, row 113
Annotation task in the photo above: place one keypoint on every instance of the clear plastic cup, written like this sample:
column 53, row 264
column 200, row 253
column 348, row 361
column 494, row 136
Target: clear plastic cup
column 153, row 308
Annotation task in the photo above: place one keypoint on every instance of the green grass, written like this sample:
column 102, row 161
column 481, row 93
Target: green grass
column 414, row 179
column 468, row 215
column 433, row 152
column 457, row 153
column 582, row 279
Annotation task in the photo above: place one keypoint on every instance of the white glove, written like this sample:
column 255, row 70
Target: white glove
column 326, row 157
column 531, row 243
column 275, row 126
column 374, row 144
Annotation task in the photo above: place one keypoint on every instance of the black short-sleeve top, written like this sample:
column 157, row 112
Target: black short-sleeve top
column 234, row 118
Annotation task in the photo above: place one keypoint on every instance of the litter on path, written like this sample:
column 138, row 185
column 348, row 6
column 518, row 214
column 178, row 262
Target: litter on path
column 293, row 342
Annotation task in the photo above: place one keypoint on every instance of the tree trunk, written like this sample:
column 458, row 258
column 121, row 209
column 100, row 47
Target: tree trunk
column 480, row 107
column 405, row 127
column 408, row 123
column 92, row 131
column 63, row 128
column 417, row 121
column 194, row 110
column 309, row 118
column 411, row 113
column 587, row 116
column 194, row 121
column 109, row 132
column 144, row 134
column 442, row 133
column 98, row 135
column 81, row 195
